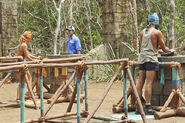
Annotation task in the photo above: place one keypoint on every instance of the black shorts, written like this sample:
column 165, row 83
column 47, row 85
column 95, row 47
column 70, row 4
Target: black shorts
column 149, row 66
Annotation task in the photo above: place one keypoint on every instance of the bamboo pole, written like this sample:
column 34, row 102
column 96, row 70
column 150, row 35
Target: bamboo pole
column 58, row 95
column 104, row 95
column 136, row 95
column 31, row 91
column 4, row 80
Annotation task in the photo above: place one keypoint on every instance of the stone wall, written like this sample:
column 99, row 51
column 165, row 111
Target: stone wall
column 161, row 93
column 8, row 25
column 114, row 16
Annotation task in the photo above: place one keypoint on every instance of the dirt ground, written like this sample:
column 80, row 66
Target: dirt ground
column 95, row 91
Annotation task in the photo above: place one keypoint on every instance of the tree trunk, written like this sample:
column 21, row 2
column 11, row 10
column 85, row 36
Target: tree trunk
column 147, row 6
column 133, row 10
column 171, row 30
column 57, row 29
column 70, row 19
column 88, row 14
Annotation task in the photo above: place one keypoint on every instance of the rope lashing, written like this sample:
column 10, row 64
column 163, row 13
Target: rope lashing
column 25, row 67
column 175, row 77
column 161, row 64
column 81, row 63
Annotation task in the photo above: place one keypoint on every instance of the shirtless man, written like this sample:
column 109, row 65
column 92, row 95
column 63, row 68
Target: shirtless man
column 150, row 38
column 23, row 51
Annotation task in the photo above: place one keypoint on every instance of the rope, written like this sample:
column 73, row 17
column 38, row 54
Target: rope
column 25, row 67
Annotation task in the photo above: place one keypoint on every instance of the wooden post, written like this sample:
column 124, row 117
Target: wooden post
column 31, row 91
column 137, row 96
column 125, row 93
column 72, row 99
column 22, row 81
column 86, row 89
column 41, row 95
column 4, row 80
column 78, row 97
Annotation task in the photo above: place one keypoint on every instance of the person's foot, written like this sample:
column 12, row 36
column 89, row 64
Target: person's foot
column 149, row 111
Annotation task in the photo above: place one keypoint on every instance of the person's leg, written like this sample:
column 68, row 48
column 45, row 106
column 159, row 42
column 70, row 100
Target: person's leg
column 38, row 86
column 18, row 92
column 30, row 82
column 150, row 75
column 18, row 88
column 140, row 83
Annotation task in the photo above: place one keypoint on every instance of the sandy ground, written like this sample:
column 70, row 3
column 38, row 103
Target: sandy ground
column 95, row 91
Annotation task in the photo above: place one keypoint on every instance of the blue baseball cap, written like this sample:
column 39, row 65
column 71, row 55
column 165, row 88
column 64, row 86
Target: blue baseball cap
column 153, row 19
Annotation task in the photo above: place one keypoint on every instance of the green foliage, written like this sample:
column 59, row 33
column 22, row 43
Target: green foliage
column 37, row 16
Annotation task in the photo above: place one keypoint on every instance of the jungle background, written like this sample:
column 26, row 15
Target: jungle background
column 98, row 23
column 40, row 17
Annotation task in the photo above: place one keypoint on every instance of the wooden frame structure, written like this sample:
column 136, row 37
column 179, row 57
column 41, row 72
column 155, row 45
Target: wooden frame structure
column 81, row 67
column 119, row 107
column 175, row 95
column 10, row 60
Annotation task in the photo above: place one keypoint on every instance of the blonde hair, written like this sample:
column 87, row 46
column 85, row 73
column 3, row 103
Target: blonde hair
column 21, row 40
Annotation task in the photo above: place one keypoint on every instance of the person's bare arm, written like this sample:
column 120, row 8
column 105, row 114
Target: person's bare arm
column 162, row 44
column 161, row 41
column 26, row 53
column 36, row 58
column 141, row 36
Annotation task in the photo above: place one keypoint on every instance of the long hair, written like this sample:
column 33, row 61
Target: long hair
column 21, row 40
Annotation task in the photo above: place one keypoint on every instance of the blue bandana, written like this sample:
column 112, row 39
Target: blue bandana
column 152, row 19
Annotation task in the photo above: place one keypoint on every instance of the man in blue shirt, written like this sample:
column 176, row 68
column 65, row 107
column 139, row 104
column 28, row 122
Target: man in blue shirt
column 73, row 42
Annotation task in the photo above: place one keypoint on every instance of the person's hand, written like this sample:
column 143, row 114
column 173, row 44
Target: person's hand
column 172, row 51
